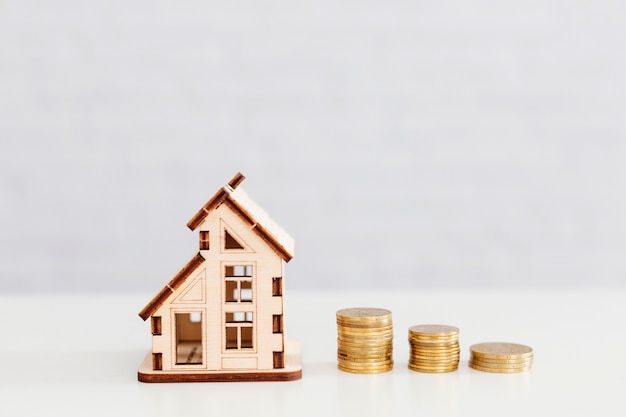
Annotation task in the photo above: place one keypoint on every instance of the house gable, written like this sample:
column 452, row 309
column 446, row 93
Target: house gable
column 220, row 318
column 235, row 198
column 172, row 286
column 230, row 238
column 193, row 292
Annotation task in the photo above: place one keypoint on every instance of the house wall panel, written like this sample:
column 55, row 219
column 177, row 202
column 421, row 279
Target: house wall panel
column 267, row 264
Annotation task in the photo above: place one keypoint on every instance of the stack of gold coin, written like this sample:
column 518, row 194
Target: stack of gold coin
column 434, row 348
column 364, row 340
column 501, row 357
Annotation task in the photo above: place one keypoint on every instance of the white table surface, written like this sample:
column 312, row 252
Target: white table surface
column 77, row 355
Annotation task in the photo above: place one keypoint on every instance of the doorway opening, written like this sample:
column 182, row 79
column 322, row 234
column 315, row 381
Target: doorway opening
column 189, row 338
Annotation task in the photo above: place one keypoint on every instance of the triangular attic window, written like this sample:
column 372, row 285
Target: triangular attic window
column 230, row 242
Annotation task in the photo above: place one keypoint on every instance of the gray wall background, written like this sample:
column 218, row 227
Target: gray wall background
column 402, row 143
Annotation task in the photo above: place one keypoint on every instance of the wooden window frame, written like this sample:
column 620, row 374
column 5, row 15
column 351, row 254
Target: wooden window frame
column 234, row 279
column 239, row 326
column 277, row 286
column 277, row 324
column 155, row 325
column 279, row 360
column 157, row 361
column 204, row 240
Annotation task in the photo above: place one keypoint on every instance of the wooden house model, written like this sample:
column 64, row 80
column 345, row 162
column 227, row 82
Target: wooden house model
column 221, row 317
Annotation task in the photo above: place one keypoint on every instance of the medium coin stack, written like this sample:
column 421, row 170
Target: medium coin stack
column 364, row 340
column 434, row 348
column 501, row 357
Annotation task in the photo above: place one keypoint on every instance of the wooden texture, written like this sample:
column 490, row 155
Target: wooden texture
column 291, row 371
column 221, row 317
column 156, row 325
column 258, row 220
column 171, row 287
column 204, row 240
column 236, row 180
column 277, row 286
column 215, row 201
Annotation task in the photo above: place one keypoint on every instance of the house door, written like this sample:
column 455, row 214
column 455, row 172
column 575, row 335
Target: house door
column 189, row 338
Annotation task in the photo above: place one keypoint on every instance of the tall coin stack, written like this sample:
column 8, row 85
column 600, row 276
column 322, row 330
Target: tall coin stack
column 434, row 348
column 364, row 340
column 501, row 357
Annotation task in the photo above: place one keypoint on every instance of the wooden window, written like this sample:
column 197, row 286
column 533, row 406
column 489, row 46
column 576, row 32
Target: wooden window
column 230, row 242
column 157, row 361
column 238, row 284
column 156, row 325
column 277, row 323
column 239, row 271
column 279, row 360
column 189, row 338
column 204, row 240
column 239, row 317
column 277, row 286
column 239, row 334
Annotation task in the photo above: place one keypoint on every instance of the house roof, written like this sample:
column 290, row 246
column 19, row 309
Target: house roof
column 171, row 286
column 258, row 220
column 240, row 202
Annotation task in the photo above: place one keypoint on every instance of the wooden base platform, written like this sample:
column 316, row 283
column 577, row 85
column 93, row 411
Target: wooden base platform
column 291, row 372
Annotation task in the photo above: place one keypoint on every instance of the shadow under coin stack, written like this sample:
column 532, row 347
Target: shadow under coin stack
column 501, row 357
column 364, row 340
column 434, row 348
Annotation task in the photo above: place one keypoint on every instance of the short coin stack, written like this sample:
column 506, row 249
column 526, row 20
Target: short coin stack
column 501, row 357
column 364, row 340
column 434, row 348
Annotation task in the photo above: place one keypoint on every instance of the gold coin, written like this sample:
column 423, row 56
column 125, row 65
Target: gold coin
column 359, row 335
column 363, row 313
column 432, row 351
column 369, row 351
column 434, row 364
column 364, row 328
column 358, row 365
column 364, row 317
column 499, row 370
column 501, row 365
column 434, row 329
column 427, row 352
column 433, row 370
column 364, row 320
column 433, row 343
column 500, row 361
column 429, row 357
column 364, row 346
column 501, row 350
column 355, row 339
column 365, row 363
column 371, row 361
column 362, row 349
column 432, row 357
column 365, row 366
column 366, row 371
column 428, row 364
column 364, row 332
column 434, row 348
column 364, row 356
